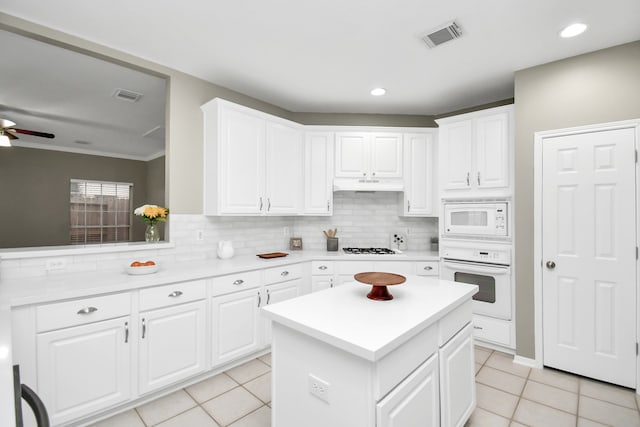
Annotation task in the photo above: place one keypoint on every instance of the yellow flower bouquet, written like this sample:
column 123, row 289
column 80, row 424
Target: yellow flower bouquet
column 152, row 213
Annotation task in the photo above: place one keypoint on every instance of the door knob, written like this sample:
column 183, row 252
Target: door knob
column 551, row 265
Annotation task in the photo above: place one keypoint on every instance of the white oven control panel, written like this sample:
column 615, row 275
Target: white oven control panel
column 493, row 256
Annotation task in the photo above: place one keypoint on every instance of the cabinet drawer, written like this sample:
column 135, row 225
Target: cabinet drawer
column 492, row 330
column 397, row 267
column 178, row 293
column 236, row 282
column 82, row 311
column 321, row 267
column 454, row 322
column 353, row 267
column 281, row 274
column 427, row 268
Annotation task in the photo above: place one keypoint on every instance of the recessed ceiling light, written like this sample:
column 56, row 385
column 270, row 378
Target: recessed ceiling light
column 573, row 30
column 379, row 91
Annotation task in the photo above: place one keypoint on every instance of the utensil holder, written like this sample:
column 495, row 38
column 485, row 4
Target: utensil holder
column 332, row 244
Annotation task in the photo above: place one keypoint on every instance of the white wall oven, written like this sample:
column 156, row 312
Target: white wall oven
column 476, row 220
column 489, row 268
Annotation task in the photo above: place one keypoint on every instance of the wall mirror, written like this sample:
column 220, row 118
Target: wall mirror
column 109, row 127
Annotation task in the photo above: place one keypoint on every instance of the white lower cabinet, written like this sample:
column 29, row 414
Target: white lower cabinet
column 238, row 328
column 415, row 401
column 172, row 345
column 276, row 293
column 84, row 368
column 457, row 379
column 235, row 324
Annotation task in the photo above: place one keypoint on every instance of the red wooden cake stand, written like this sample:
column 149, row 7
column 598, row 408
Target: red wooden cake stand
column 380, row 281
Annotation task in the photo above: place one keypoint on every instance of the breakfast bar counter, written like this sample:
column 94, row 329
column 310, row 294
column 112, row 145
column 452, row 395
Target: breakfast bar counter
column 340, row 358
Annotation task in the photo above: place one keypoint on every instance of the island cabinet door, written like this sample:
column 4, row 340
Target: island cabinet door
column 415, row 401
column 457, row 379
column 235, row 325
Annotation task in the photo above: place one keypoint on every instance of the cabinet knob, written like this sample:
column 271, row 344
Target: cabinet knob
column 175, row 294
column 87, row 310
column 428, row 268
column 238, row 282
column 322, row 267
column 284, row 273
column 551, row 265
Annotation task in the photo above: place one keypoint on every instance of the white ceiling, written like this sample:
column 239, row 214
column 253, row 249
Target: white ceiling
column 49, row 89
column 326, row 56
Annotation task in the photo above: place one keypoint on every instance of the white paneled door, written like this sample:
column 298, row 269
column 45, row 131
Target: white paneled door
column 589, row 254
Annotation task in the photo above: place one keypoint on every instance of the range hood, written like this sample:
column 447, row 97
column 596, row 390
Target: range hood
column 354, row 184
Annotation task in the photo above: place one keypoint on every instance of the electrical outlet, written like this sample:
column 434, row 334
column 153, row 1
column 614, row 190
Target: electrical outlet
column 199, row 235
column 319, row 388
column 56, row 264
column 398, row 240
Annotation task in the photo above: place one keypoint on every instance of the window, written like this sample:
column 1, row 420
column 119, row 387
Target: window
column 100, row 212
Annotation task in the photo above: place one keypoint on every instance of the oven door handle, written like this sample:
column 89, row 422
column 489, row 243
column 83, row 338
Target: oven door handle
column 476, row 269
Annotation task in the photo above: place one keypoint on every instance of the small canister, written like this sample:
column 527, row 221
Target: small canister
column 332, row 244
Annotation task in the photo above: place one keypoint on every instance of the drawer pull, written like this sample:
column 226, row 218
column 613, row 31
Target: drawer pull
column 477, row 327
column 144, row 328
column 175, row 294
column 268, row 297
column 126, row 332
column 284, row 273
column 322, row 267
column 428, row 268
column 238, row 282
column 259, row 298
column 87, row 310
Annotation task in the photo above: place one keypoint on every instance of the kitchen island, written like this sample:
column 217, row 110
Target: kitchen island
column 341, row 359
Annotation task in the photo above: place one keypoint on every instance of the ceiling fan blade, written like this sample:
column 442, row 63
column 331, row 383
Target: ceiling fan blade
column 10, row 135
column 33, row 133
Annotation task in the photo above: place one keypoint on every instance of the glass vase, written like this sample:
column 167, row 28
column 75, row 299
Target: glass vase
column 152, row 234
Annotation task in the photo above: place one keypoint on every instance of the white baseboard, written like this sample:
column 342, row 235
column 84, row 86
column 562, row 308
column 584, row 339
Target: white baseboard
column 525, row 361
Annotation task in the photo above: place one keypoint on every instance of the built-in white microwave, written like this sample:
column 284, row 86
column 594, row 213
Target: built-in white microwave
column 476, row 219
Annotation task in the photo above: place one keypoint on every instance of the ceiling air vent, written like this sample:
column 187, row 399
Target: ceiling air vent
column 127, row 95
column 442, row 34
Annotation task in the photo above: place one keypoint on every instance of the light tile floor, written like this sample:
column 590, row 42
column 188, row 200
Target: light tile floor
column 509, row 395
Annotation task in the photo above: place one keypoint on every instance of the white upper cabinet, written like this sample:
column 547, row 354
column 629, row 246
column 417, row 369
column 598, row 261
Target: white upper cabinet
column 368, row 155
column 284, row 181
column 418, row 198
column 252, row 162
column 475, row 150
column 318, row 173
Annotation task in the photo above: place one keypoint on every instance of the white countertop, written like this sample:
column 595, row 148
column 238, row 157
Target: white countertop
column 60, row 286
column 345, row 318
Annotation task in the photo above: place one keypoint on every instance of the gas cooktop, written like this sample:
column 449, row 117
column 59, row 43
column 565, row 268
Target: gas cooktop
column 367, row 251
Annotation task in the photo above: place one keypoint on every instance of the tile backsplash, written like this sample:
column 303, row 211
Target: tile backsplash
column 362, row 219
column 365, row 220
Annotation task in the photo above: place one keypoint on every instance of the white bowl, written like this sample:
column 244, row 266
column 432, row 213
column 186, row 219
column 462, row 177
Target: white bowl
column 143, row 269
